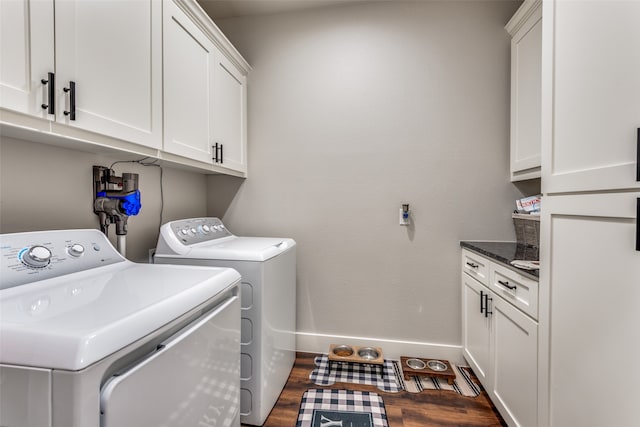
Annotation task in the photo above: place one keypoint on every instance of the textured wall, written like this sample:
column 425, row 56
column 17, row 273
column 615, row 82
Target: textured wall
column 354, row 110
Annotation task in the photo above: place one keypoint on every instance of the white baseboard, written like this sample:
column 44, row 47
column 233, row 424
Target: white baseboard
column 392, row 349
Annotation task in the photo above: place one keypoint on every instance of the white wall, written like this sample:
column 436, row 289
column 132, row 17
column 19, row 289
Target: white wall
column 44, row 187
column 354, row 110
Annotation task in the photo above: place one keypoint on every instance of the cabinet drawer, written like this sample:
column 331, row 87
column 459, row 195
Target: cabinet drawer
column 475, row 266
column 516, row 289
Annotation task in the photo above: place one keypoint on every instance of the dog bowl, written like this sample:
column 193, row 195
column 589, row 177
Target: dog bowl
column 368, row 353
column 415, row 364
column 437, row 365
column 343, row 350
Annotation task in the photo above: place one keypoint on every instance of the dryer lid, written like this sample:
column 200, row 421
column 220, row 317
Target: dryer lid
column 241, row 248
column 72, row 321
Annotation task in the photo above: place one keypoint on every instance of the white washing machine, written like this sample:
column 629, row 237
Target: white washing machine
column 268, row 270
column 89, row 339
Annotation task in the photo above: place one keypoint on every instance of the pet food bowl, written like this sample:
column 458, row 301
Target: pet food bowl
column 415, row 364
column 437, row 365
column 343, row 350
column 368, row 353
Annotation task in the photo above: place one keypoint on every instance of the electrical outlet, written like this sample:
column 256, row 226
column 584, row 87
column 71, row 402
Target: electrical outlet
column 403, row 218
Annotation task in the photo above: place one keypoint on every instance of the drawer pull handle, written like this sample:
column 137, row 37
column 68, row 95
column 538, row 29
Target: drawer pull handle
column 472, row 265
column 507, row 285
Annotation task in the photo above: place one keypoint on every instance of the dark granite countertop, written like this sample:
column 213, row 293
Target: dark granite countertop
column 505, row 252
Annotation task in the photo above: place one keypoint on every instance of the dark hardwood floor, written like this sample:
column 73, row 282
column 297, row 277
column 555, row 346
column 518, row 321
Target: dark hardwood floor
column 428, row 408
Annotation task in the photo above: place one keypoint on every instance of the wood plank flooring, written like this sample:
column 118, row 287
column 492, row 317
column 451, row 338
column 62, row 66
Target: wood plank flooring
column 404, row 409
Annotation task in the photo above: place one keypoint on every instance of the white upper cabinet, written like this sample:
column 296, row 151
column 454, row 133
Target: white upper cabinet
column 526, row 53
column 112, row 51
column 230, row 114
column 27, row 56
column 205, row 89
column 189, row 61
column 154, row 78
column 591, row 64
column 108, row 63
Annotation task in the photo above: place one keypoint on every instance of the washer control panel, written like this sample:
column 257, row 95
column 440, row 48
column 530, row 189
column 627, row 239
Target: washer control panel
column 39, row 255
column 197, row 230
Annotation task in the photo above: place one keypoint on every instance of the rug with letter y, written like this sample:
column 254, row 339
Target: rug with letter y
column 341, row 408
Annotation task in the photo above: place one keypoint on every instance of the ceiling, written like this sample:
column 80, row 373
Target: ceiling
column 220, row 9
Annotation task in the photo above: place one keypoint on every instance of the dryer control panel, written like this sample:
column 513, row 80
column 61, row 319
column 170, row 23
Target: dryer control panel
column 33, row 256
column 197, row 230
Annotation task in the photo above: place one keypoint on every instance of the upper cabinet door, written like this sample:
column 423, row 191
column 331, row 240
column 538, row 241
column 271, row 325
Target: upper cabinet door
column 230, row 113
column 112, row 51
column 189, row 62
column 526, row 52
column 591, row 95
column 27, row 55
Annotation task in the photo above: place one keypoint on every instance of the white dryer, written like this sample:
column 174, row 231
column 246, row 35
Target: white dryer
column 268, row 291
column 89, row 339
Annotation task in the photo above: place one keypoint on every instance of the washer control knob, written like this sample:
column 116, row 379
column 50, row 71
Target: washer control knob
column 37, row 256
column 76, row 250
column 206, row 228
column 183, row 231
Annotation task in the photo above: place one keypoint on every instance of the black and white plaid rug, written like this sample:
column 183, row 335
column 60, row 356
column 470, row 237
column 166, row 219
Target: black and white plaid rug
column 355, row 373
column 341, row 408
column 393, row 378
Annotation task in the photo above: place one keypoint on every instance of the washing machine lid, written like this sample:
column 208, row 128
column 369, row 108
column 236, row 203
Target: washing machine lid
column 75, row 320
column 235, row 248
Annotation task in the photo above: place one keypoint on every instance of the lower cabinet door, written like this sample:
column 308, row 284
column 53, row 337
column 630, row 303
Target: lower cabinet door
column 593, row 291
column 475, row 328
column 514, row 358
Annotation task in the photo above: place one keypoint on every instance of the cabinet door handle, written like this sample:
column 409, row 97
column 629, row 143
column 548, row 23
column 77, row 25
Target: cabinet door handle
column 472, row 265
column 486, row 305
column 482, row 295
column 638, row 224
column 50, row 82
column 638, row 157
column 221, row 154
column 507, row 285
column 217, row 153
column 72, row 100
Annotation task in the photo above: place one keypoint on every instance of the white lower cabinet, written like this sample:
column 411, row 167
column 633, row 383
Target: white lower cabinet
column 514, row 361
column 589, row 333
column 476, row 332
column 500, row 343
